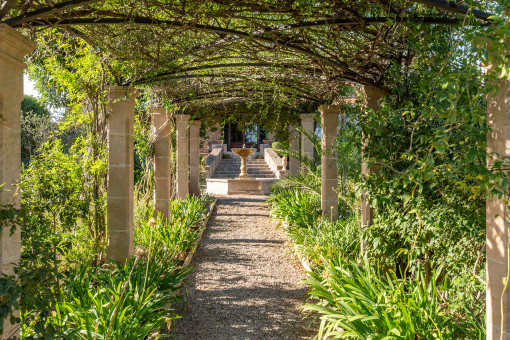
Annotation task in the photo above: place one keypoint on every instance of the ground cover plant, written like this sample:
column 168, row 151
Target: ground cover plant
column 131, row 301
column 67, row 288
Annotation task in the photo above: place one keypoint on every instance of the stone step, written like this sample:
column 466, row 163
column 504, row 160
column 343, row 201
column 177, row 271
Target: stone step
column 238, row 172
column 230, row 168
column 251, row 166
column 261, row 176
column 239, row 168
column 251, row 171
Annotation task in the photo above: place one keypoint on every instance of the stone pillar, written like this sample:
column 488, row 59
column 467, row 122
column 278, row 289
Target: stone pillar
column 120, row 115
column 162, row 135
column 293, row 149
column 194, row 158
column 308, row 124
column 13, row 48
column 498, row 217
column 182, row 122
column 329, row 186
column 372, row 97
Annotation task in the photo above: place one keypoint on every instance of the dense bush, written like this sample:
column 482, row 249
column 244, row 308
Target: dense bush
column 123, row 302
column 358, row 301
column 118, row 302
column 176, row 234
column 64, row 291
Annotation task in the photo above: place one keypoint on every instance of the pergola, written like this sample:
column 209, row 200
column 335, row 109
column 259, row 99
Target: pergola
column 205, row 54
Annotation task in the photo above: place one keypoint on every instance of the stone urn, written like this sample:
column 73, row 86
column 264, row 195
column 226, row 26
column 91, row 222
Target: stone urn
column 243, row 153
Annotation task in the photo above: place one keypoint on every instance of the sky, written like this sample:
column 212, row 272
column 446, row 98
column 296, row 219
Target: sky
column 28, row 87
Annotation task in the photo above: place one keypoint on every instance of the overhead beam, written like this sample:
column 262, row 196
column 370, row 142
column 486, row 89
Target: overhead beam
column 174, row 74
column 230, row 103
column 179, row 74
column 209, row 95
column 451, row 6
column 200, row 27
column 208, row 28
column 47, row 11
column 7, row 5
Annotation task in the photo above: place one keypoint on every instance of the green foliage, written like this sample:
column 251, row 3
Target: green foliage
column 176, row 234
column 325, row 239
column 30, row 105
column 82, row 301
column 123, row 302
column 295, row 207
column 357, row 302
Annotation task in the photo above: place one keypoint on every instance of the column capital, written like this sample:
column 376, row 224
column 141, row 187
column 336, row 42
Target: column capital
column 196, row 123
column 122, row 92
column 182, row 118
column 329, row 109
column 159, row 109
column 13, row 44
column 372, row 97
column 307, row 116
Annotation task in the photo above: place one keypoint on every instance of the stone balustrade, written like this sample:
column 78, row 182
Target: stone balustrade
column 214, row 159
column 274, row 162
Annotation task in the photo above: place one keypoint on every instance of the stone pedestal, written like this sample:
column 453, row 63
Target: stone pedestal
column 182, row 122
column 13, row 48
column 120, row 118
column 162, row 136
column 329, row 186
column 498, row 218
column 294, row 149
column 373, row 96
column 194, row 158
column 308, row 124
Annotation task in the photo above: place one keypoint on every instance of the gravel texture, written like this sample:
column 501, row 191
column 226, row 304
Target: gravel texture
column 243, row 287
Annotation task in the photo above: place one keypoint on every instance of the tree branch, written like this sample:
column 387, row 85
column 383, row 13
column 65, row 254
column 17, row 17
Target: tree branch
column 7, row 5
column 47, row 11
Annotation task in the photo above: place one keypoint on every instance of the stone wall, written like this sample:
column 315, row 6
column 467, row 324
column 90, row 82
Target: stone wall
column 212, row 136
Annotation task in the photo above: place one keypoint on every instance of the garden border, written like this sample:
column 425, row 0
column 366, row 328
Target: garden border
column 188, row 259
column 301, row 259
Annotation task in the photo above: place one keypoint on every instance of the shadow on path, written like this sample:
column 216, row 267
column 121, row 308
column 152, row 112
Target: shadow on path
column 243, row 287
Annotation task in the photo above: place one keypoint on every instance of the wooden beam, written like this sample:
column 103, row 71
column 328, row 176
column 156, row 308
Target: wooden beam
column 7, row 5
column 47, row 11
column 451, row 6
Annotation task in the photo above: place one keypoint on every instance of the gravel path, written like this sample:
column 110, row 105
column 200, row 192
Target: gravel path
column 243, row 287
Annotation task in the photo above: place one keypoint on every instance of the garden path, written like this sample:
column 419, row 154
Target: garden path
column 243, row 287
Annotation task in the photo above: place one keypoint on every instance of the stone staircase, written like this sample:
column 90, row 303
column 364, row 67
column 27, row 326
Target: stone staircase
column 230, row 168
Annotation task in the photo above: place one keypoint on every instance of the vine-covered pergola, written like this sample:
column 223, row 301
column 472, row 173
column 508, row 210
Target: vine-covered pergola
column 201, row 55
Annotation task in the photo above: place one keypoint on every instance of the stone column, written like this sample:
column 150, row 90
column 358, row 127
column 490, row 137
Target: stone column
column 293, row 148
column 120, row 115
column 162, row 135
column 182, row 122
column 308, row 124
column 498, row 217
column 372, row 97
column 194, row 158
column 13, row 48
column 329, row 186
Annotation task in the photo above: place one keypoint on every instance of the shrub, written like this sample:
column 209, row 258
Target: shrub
column 177, row 233
column 124, row 302
column 357, row 302
column 325, row 239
